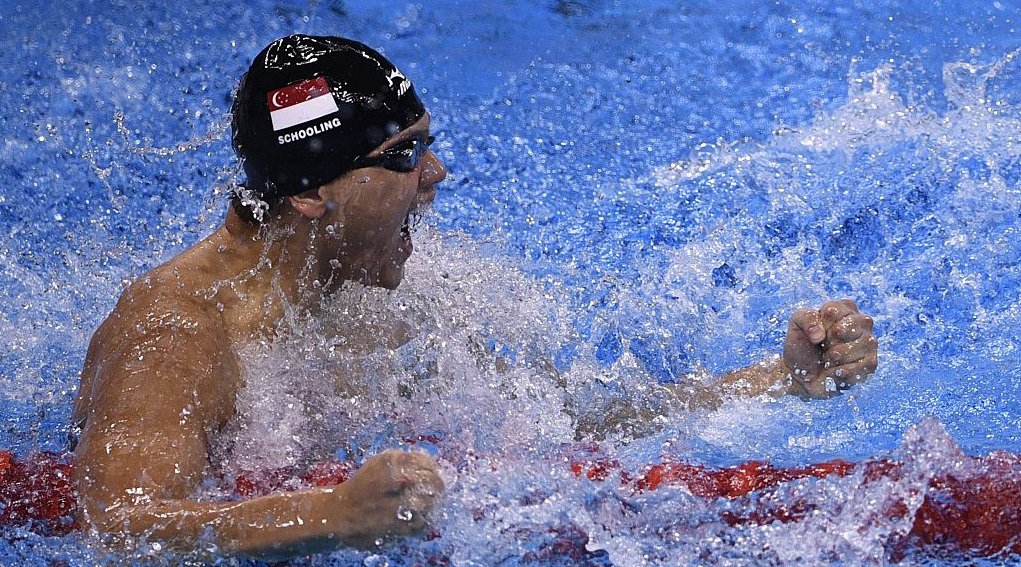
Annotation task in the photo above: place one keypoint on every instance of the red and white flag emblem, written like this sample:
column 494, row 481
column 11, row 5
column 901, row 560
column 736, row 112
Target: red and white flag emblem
column 299, row 103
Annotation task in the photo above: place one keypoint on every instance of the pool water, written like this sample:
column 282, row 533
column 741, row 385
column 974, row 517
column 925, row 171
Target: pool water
column 638, row 191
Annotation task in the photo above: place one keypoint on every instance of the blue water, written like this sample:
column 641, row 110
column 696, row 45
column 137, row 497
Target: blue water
column 637, row 190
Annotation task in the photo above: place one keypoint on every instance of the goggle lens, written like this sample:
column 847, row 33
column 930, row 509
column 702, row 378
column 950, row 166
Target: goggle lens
column 403, row 157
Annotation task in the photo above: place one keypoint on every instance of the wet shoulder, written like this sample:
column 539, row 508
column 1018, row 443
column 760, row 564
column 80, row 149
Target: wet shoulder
column 161, row 301
column 155, row 328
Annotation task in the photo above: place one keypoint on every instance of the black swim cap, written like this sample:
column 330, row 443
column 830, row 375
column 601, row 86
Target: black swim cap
column 308, row 106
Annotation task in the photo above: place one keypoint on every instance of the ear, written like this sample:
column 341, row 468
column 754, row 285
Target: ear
column 310, row 204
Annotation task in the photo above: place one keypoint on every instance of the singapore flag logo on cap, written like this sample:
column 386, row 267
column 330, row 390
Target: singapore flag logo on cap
column 299, row 103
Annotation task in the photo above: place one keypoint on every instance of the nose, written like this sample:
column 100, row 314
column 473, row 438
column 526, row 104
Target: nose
column 432, row 171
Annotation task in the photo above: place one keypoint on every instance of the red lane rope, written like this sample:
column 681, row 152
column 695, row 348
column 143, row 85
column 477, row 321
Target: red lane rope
column 974, row 511
column 37, row 492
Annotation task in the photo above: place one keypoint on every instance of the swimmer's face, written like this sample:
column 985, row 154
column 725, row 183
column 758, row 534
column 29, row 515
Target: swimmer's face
column 366, row 224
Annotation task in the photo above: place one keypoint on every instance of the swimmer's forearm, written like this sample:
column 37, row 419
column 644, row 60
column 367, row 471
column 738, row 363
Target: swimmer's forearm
column 770, row 376
column 274, row 526
column 701, row 393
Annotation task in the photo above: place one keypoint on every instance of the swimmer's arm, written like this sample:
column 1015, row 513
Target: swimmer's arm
column 703, row 391
column 770, row 377
column 827, row 350
column 156, row 393
column 288, row 524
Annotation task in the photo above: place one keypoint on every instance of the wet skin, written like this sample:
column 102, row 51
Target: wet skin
column 162, row 372
column 827, row 351
column 365, row 213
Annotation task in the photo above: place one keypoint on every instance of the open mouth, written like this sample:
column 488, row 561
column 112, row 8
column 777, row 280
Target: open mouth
column 410, row 222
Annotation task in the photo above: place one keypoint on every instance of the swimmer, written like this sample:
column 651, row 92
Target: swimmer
column 335, row 142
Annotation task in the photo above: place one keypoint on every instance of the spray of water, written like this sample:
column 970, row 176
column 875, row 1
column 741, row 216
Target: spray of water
column 466, row 359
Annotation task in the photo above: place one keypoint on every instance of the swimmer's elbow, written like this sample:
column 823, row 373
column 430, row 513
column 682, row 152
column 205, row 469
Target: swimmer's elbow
column 110, row 520
column 123, row 527
column 111, row 524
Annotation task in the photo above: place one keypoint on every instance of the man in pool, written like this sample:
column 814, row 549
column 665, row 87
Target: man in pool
column 334, row 142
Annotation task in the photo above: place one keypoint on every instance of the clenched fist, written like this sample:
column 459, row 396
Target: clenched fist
column 391, row 494
column 829, row 349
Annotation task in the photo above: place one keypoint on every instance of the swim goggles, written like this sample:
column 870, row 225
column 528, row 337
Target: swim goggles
column 402, row 157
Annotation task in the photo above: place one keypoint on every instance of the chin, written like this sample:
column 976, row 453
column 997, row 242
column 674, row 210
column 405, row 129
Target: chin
column 392, row 283
column 389, row 279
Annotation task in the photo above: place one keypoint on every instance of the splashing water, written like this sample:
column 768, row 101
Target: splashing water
column 591, row 246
